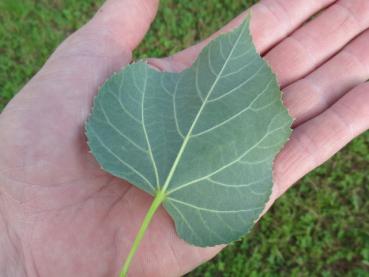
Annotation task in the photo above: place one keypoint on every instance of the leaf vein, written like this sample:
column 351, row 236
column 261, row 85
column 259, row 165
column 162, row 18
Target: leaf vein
column 212, row 210
column 124, row 108
column 122, row 161
column 145, row 131
column 185, row 220
column 175, row 113
column 249, row 107
column 107, row 120
column 241, row 68
column 227, row 165
column 236, row 186
column 241, row 85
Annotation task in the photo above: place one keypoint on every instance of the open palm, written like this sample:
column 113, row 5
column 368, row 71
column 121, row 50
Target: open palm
column 61, row 215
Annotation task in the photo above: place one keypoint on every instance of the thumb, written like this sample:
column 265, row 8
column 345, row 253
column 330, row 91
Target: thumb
column 125, row 21
column 112, row 34
column 62, row 91
column 91, row 54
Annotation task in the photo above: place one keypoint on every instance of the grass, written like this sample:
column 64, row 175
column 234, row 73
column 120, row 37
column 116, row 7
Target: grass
column 319, row 228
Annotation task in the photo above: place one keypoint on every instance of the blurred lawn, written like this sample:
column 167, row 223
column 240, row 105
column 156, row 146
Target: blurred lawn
column 319, row 228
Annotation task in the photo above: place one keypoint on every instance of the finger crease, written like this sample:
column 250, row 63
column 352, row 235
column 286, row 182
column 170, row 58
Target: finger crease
column 318, row 91
column 356, row 59
column 350, row 14
column 305, row 49
column 304, row 140
column 278, row 18
column 340, row 118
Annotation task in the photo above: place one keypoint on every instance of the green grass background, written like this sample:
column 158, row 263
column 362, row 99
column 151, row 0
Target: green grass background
column 319, row 228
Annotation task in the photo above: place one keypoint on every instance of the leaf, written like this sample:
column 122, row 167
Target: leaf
column 204, row 139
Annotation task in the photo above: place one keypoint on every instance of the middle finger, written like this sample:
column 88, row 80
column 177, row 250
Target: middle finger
column 319, row 39
column 311, row 95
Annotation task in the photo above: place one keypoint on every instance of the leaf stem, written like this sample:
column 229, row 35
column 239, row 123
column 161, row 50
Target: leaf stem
column 159, row 198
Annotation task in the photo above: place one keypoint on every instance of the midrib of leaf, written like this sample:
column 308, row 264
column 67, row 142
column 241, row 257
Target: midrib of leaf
column 189, row 133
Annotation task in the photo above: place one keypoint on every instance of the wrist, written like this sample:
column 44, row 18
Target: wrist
column 11, row 259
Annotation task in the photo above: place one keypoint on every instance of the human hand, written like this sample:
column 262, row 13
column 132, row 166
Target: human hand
column 64, row 216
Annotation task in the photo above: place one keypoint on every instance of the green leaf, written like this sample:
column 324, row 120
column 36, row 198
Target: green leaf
column 204, row 139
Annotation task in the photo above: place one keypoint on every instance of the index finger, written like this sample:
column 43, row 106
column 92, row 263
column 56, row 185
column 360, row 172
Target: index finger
column 271, row 21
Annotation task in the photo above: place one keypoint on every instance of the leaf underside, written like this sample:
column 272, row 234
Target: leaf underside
column 207, row 136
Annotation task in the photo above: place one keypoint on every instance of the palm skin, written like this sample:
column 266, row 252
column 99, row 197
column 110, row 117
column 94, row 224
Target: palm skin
column 63, row 216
